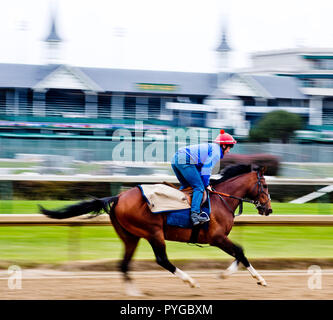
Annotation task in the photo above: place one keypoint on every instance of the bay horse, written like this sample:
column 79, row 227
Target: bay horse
column 132, row 220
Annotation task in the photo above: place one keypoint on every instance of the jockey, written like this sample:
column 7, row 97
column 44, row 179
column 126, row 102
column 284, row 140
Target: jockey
column 193, row 167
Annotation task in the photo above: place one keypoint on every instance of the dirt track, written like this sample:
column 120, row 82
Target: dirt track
column 52, row 285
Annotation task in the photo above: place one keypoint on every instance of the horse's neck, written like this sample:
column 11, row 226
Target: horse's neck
column 238, row 186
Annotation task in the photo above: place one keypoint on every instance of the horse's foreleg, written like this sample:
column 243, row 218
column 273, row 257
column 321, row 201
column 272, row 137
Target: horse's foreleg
column 257, row 276
column 159, row 249
column 236, row 251
column 231, row 269
column 186, row 278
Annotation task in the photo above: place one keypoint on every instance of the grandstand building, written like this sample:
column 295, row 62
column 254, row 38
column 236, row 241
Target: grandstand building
column 56, row 93
column 313, row 68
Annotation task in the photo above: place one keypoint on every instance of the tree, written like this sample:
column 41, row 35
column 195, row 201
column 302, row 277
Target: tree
column 276, row 125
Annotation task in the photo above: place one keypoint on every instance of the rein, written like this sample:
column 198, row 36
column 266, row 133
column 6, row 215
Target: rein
column 241, row 200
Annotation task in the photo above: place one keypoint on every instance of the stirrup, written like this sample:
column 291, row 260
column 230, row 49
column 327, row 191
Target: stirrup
column 199, row 218
column 204, row 216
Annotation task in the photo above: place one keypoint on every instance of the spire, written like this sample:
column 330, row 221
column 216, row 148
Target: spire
column 223, row 47
column 223, row 52
column 53, row 35
column 53, row 43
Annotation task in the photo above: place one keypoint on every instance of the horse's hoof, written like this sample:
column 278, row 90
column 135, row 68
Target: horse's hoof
column 223, row 275
column 262, row 283
column 132, row 291
column 192, row 283
column 195, row 285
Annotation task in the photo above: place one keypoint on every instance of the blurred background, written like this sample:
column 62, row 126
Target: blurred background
column 96, row 89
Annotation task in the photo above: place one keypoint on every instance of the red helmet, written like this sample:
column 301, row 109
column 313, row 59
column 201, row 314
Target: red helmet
column 225, row 138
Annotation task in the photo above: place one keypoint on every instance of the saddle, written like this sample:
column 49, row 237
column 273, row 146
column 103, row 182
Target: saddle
column 178, row 220
column 187, row 192
column 164, row 197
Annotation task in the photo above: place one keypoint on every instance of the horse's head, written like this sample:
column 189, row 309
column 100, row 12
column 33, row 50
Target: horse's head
column 259, row 193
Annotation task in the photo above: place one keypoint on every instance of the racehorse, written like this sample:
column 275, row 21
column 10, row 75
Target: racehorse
column 132, row 220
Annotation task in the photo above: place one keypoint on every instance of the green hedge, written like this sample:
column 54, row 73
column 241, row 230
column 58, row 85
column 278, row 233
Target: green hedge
column 269, row 161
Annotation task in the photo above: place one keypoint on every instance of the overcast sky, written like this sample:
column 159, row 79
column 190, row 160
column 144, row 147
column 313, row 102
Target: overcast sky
column 179, row 35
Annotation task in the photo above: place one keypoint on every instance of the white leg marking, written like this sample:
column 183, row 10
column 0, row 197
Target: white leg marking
column 231, row 270
column 186, row 278
column 257, row 276
column 131, row 290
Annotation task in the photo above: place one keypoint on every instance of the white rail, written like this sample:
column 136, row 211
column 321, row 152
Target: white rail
column 144, row 179
column 104, row 220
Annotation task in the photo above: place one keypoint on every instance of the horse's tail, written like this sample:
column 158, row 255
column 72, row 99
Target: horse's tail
column 95, row 206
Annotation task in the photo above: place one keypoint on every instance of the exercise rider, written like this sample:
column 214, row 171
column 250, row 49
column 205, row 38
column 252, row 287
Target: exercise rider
column 193, row 167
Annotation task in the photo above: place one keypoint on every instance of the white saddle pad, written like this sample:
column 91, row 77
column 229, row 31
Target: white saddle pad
column 161, row 197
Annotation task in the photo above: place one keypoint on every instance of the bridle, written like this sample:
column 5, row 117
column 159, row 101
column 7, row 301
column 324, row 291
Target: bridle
column 256, row 201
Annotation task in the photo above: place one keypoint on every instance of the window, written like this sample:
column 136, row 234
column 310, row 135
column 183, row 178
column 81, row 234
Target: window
column 323, row 64
column 271, row 102
column 129, row 107
column 248, row 101
column 2, row 101
column 307, row 83
column 65, row 102
column 154, row 108
column 104, row 105
column 198, row 119
column 183, row 99
column 284, row 102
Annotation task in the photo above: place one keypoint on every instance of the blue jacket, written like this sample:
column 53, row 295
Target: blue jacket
column 204, row 156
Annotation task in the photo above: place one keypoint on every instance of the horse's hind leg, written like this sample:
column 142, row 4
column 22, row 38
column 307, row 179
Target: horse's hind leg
column 236, row 251
column 158, row 245
column 130, row 242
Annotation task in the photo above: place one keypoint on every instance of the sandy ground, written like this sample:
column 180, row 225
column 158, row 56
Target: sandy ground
column 47, row 284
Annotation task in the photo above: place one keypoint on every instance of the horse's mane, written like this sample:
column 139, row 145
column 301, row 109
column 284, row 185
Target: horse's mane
column 232, row 171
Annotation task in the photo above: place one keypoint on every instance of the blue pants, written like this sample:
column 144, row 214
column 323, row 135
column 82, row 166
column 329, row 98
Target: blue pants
column 188, row 175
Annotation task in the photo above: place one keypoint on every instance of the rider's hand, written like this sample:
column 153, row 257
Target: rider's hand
column 209, row 188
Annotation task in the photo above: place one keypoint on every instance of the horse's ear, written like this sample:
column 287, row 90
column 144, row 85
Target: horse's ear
column 262, row 170
column 259, row 168
column 254, row 167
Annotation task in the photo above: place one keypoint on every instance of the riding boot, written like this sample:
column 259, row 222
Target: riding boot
column 199, row 218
